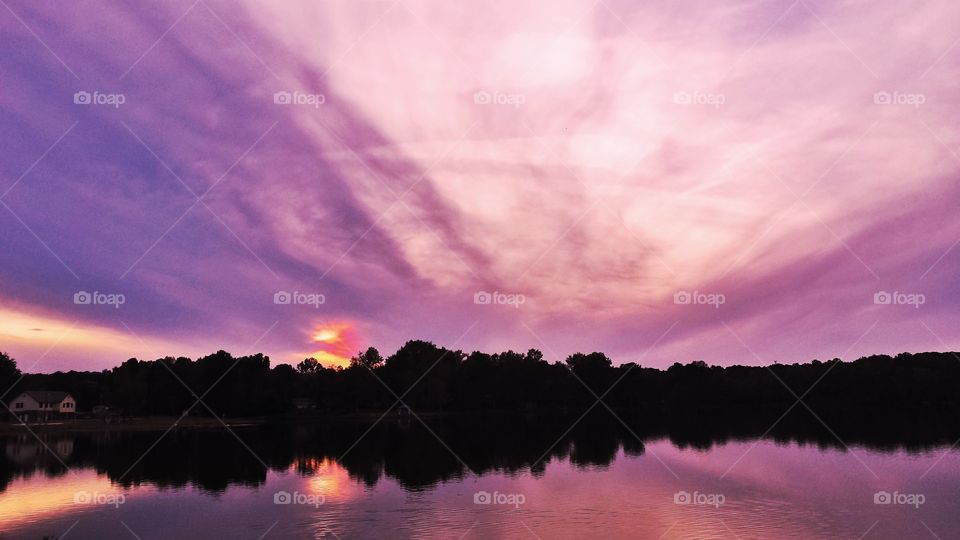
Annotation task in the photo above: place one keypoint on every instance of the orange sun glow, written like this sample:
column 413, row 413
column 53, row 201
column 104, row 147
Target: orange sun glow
column 337, row 343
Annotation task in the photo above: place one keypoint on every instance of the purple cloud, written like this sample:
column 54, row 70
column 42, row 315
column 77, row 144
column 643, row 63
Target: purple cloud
column 595, row 160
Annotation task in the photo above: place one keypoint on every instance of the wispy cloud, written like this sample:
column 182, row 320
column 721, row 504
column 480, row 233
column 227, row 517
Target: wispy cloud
column 595, row 157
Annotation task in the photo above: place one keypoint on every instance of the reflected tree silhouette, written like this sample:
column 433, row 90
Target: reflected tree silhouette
column 409, row 453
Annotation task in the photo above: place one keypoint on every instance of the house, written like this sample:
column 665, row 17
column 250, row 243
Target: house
column 42, row 405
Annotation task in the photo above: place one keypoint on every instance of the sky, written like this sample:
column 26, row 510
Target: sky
column 741, row 182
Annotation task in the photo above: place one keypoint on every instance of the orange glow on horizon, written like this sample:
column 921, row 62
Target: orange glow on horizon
column 30, row 336
column 338, row 342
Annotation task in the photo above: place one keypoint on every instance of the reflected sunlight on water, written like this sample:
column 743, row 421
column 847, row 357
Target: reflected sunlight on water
column 39, row 498
column 733, row 490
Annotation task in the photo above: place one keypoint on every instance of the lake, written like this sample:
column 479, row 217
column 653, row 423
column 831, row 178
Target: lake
column 473, row 478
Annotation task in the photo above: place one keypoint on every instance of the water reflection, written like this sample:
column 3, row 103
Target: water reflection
column 417, row 456
column 799, row 481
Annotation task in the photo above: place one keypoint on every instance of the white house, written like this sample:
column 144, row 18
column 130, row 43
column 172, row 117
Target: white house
column 36, row 404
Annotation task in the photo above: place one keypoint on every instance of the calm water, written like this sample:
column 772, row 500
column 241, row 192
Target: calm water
column 489, row 479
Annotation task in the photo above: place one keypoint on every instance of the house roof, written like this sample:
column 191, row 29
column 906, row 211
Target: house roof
column 47, row 396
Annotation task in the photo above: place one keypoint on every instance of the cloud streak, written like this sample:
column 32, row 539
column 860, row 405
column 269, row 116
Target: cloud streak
column 596, row 158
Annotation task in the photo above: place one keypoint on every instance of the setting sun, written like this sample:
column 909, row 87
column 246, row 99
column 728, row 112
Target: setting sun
column 337, row 341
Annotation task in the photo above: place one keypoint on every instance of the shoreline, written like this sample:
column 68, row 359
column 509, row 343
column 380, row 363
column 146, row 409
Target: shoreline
column 162, row 423
column 152, row 423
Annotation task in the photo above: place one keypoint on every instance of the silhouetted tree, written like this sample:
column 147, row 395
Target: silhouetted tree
column 909, row 389
column 369, row 358
column 308, row 365
column 9, row 374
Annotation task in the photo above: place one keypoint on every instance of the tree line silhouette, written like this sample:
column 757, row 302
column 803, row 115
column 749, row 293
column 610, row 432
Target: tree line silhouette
column 429, row 378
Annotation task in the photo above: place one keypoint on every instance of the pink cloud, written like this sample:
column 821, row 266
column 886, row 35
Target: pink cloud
column 595, row 158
